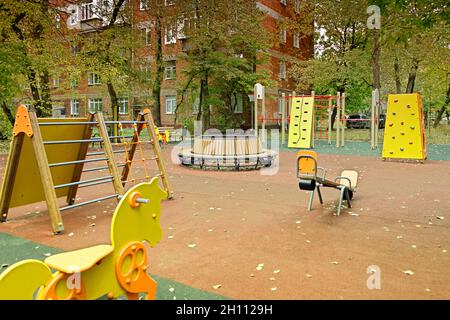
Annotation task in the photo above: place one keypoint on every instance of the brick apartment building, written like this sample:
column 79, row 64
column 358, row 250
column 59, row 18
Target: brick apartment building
column 91, row 95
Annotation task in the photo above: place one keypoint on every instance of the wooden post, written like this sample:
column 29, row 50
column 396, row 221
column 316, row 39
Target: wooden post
column 117, row 183
column 283, row 118
column 330, row 111
column 256, row 115
column 10, row 174
column 313, row 135
column 71, row 195
column 338, row 119
column 377, row 115
column 157, row 150
column 372, row 122
column 344, row 120
column 45, row 175
column 132, row 150
column 264, row 118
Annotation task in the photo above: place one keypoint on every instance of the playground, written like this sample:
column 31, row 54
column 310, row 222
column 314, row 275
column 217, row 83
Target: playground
column 242, row 235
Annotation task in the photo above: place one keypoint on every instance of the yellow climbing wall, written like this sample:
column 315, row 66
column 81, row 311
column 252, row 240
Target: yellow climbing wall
column 301, row 123
column 404, row 134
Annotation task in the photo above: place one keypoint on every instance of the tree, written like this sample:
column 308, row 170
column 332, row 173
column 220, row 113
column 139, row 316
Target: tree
column 221, row 54
column 30, row 28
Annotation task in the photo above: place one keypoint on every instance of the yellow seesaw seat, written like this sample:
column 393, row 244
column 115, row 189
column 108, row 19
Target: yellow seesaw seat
column 310, row 180
column 79, row 260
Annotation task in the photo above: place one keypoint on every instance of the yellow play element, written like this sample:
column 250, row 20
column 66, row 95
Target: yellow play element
column 301, row 123
column 21, row 280
column 404, row 135
column 112, row 270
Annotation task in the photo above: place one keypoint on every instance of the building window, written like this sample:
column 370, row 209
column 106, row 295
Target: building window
column 283, row 2
column 123, row 105
column 146, row 36
column 171, row 104
column 73, row 83
column 143, row 4
column 237, row 103
column 74, row 107
column 296, row 43
column 283, row 35
column 93, row 79
column 282, row 73
column 169, row 36
column 56, row 82
column 169, row 2
column 95, row 105
column 170, row 71
column 297, row 6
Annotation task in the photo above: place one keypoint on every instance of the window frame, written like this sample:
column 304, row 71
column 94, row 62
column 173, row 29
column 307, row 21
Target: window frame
column 123, row 102
column 296, row 40
column 173, row 100
column 74, row 104
column 282, row 67
column 170, row 72
column 95, row 79
column 96, row 102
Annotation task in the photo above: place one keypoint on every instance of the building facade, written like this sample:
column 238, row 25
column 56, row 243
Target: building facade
column 90, row 94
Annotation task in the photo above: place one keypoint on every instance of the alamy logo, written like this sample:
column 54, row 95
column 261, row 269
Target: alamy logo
column 374, row 20
column 374, row 280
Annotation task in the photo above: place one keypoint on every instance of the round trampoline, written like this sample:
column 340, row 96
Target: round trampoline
column 232, row 152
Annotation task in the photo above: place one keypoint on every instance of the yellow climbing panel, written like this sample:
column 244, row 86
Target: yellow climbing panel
column 301, row 123
column 404, row 135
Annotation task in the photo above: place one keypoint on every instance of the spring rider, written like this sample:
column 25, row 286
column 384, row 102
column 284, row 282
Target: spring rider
column 112, row 270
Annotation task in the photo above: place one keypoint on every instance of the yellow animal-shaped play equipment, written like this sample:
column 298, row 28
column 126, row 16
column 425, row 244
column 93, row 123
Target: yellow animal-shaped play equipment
column 103, row 270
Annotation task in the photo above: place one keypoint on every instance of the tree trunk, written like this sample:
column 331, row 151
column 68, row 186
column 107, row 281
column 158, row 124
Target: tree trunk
column 115, row 109
column 204, row 105
column 8, row 113
column 412, row 76
column 156, row 90
column 443, row 109
column 398, row 83
column 376, row 59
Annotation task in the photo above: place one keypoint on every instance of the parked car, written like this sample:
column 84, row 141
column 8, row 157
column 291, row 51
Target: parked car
column 358, row 121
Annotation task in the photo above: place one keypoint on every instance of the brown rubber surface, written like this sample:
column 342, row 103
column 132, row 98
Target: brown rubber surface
column 400, row 221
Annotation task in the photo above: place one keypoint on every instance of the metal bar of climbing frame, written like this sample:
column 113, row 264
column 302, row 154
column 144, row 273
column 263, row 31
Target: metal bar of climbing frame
column 88, row 202
column 125, row 122
column 59, row 186
column 69, row 163
column 120, row 137
column 101, row 168
column 94, row 183
column 90, row 154
column 66, row 123
column 72, row 141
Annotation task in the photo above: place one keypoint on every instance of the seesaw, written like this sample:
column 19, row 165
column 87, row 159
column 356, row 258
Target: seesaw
column 103, row 270
column 309, row 180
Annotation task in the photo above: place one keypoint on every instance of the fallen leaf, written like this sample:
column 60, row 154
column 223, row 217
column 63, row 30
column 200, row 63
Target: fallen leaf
column 308, row 275
column 440, row 217
column 47, row 254
column 71, row 234
column 335, row 262
column 170, row 237
column 414, row 246
column 92, row 225
column 217, row 286
column 273, row 289
column 399, row 237
column 276, row 271
column 408, row 272
column 272, row 279
column 171, row 289
column 192, row 245
column 252, row 275
column 260, row 266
